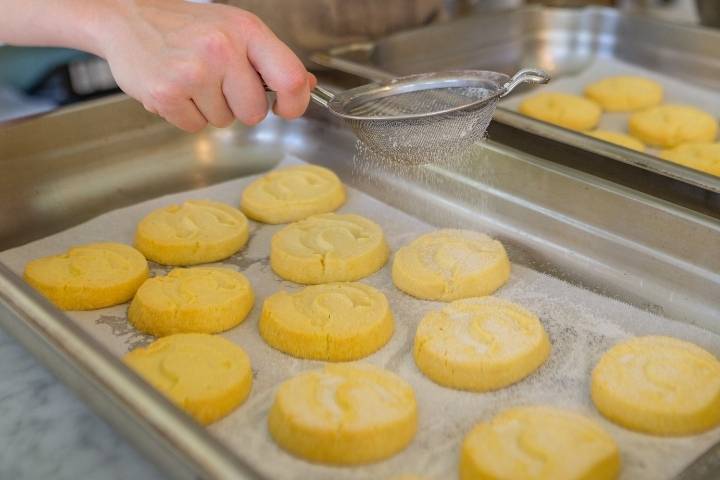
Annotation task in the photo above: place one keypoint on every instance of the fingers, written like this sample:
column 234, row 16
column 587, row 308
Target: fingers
column 171, row 97
column 282, row 71
column 218, row 75
column 184, row 115
column 312, row 80
column 210, row 101
column 245, row 94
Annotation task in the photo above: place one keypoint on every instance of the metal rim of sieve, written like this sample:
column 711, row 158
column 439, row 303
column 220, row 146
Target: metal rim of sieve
column 498, row 84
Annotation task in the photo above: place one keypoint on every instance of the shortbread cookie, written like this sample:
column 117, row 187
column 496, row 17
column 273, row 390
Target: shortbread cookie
column 668, row 126
column 292, row 193
column 197, row 231
column 344, row 414
column 192, row 300
column 625, row 93
column 480, row 344
column 700, row 156
column 451, row 264
column 328, row 248
column 618, row 139
column 90, row 276
column 658, row 385
column 334, row 321
column 569, row 111
column 205, row 375
column 539, row 443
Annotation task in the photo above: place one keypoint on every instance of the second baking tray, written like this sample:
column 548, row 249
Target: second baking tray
column 564, row 42
column 660, row 259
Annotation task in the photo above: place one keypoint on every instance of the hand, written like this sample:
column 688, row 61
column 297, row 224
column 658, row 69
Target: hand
column 199, row 63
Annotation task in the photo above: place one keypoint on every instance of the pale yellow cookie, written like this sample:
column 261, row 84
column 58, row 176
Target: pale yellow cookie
column 205, row 375
column 539, row 443
column 658, row 385
column 618, row 139
column 480, row 344
column 450, row 264
column 625, row 93
column 328, row 248
column 90, row 276
column 569, row 111
column 671, row 125
column 344, row 414
column 197, row 231
column 292, row 193
column 334, row 321
column 192, row 300
column 700, row 156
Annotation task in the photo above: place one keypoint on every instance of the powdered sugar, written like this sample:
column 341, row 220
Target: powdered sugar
column 581, row 326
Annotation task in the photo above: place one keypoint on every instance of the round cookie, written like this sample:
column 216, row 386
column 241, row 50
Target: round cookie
column 658, row 385
column 539, row 443
column 569, row 111
column 450, row 264
column 671, row 125
column 88, row 277
column 192, row 300
column 344, row 414
column 333, row 321
column 205, row 375
column 700, row 156
column 292, row 193
column 480, row 344
column 197, row 231
column 328, row 248
column 625, row 93
column 618, row 139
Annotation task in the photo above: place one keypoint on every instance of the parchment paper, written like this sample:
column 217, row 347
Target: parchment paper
column 675, row 91
column 581, row 326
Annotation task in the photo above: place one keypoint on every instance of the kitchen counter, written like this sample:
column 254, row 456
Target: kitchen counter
column 48, row 433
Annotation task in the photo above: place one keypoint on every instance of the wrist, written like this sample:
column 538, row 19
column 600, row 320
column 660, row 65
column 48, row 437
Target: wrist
column 103, row 24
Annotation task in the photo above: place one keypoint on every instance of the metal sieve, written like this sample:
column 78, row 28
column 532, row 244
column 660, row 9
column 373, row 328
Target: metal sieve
column 424, row 118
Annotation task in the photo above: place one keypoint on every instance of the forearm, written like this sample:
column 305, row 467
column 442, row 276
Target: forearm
column 59, row 23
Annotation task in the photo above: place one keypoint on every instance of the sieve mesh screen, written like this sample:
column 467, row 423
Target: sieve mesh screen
column 426, row 118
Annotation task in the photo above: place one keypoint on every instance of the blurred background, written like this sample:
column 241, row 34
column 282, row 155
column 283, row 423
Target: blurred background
column 37, row 80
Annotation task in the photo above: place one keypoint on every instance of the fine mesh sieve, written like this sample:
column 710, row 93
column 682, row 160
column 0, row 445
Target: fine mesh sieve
column 424, row 118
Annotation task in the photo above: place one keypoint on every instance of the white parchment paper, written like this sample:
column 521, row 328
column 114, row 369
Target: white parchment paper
column 581, row 326
column 675, row 91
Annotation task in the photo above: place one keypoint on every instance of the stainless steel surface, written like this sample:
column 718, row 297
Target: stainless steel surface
column 639, row 249
column 427, row 117
column 559, row 41
column 112, row 389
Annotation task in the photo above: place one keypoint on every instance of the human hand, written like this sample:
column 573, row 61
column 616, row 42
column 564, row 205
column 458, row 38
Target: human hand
column 195, row 64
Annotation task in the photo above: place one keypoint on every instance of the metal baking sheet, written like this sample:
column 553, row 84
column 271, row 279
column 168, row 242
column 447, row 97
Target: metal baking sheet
column 676, row 91
column 570, row 44
column 608, row 264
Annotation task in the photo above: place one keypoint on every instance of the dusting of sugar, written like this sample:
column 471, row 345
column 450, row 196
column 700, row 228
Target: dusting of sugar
column 370, row 164
column 329, row 385
column 581, row 326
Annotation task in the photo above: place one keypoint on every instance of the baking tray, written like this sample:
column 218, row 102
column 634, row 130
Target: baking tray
column 569, row 225
column 564, row 42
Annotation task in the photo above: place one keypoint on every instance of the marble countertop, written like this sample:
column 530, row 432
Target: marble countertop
column 48, row 433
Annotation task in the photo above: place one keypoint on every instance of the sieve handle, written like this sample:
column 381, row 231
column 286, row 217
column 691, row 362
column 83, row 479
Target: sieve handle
column 321, row 96
column 526, row 75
